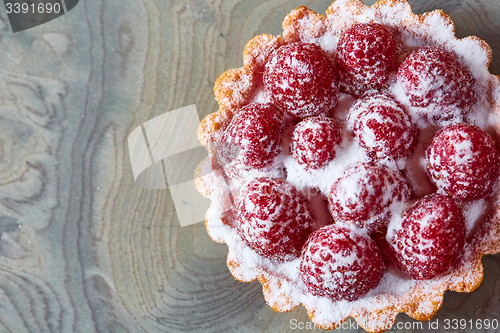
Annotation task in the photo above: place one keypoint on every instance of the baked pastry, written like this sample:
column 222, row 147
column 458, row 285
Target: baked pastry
column 353, row 163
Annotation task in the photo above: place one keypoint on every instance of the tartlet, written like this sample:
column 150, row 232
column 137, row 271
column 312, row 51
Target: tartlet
column 231, row 176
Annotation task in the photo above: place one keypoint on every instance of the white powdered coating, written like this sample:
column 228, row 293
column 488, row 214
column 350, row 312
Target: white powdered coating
column 396, row 219
column 343, row 105
column 299, row 67
column 328, row 41
column 439, row 33
column 473, row 214
column 241, row 174
column 322, row 179
column 260, row 96
column 463, row 151
column 415, row 113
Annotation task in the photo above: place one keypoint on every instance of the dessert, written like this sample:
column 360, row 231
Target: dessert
column 365, row 182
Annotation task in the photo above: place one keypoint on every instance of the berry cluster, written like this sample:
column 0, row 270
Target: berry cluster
column 345, row 260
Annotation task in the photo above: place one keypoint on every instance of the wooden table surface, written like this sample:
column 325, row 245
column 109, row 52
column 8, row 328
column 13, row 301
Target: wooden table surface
column 82, row 248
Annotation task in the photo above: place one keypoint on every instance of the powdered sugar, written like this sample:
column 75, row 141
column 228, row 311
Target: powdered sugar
column 474, row 212
column 322, row 179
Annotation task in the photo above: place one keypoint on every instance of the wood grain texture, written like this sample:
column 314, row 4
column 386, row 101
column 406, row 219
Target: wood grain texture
column 82, row 249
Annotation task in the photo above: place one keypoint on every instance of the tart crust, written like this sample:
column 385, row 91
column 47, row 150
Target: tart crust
column 235, row 88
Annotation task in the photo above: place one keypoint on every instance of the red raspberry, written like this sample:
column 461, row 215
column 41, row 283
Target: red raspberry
column 273, row 218
column 430, row 238
column 463, row 161
column 366, row 54
column 300, row 80
column 341, row 262
column 314, row 141
column 383, row 127
column 436, row 80
column 256, row 129
column 364, row 194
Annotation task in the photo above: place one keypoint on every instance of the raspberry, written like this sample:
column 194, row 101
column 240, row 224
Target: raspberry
column 463, row 161
column 383, row 127
column 364, row 194
column 300, row 80
column 366, row 55
column 256, row 129
column 273, row 218
column 341, row 262
column 431, row 236
column 314, row 141
column 435, row 79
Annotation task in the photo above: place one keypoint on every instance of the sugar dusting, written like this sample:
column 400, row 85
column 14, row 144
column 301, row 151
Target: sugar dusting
column 395, row 289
